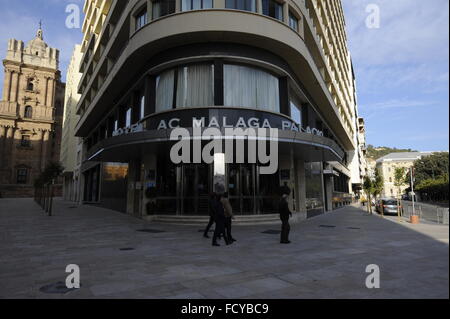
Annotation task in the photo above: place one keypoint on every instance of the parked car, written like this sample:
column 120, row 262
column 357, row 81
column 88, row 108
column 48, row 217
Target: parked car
column 387, row 206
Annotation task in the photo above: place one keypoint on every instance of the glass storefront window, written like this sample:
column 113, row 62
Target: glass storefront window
column 314, row 189
column 246, row 5
column 272, row 9
column 195, row 85
column 250, row 87
column 162, row 8
column 187, row 5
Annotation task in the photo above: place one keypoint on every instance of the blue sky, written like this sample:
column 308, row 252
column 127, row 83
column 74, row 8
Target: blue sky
column 402, row 68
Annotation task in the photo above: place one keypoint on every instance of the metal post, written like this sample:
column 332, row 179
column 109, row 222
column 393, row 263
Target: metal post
column 412, row 192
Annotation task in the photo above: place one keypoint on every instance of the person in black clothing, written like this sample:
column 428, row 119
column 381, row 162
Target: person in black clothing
column 219, row 218
column 212, row 213
column 285, row 213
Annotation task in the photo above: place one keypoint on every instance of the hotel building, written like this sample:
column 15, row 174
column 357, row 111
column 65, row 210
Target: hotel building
column 151, row 66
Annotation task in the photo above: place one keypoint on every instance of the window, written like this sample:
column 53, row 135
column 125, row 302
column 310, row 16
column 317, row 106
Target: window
column 251, row 87
column 247, row 5
column 187, row 5
column 165, row 83
column 296, row 113
column 293, row 21
column 141, row 19
column 186, row 86
column 195, row 86
column 22, row 176
column 272, row 9
column 28, row 112
column 30, row 85
column 128, row 118
column 161, row 8
column 25, row 142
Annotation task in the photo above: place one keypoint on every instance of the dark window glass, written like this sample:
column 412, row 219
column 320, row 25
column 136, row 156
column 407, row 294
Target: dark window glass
column 293, row 21
column 162, row 8
column 187, row 5
column 22, row 176
column 28, row 112
column 272, row 9
column 247, row 5
column 141, row 19
column 30, row 85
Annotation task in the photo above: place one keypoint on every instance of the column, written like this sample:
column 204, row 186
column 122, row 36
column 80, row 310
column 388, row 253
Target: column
column 7, row 85
column 300, row 181
column 259, row 6
column 219, row 4
column 2, row 141
column 149, row 180
column 50, row 92
column 44, row 148
column 14, row 86
column 286, row 12
column 14, row 140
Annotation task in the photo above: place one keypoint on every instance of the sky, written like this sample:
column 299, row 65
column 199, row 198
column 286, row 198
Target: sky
column 401, row 67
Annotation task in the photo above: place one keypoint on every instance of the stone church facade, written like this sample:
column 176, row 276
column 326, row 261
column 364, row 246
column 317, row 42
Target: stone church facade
column 31, row 112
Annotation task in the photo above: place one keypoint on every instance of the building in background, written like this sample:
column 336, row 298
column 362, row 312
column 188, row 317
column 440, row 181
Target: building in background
column 147, row 70
column 70, row 146
column 31, row 113
column 386, row 165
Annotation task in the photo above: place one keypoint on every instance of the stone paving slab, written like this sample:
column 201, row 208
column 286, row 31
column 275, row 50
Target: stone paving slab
column 321, row 262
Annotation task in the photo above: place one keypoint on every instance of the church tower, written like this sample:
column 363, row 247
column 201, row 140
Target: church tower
column 31, row 113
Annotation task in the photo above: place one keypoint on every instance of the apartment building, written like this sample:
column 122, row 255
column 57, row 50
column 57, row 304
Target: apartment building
column 152, row 66
column 70, row 143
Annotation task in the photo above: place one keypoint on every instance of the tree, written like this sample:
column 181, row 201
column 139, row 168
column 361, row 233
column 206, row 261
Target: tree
column 431, row 176
column 433, row 166
column 51, row 172
column 373, row 186
column 400, row 178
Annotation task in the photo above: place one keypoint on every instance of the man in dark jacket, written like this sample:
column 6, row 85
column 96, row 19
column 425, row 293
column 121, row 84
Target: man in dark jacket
column 285, row 214
column 219, row 219
column 212, row 213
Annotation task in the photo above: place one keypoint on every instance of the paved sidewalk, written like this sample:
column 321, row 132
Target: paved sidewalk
column 322, row 262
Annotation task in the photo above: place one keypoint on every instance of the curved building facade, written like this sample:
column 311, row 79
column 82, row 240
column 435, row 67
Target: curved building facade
column 151, row 68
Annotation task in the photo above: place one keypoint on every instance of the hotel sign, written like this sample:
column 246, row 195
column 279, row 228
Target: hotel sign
column 225, row 118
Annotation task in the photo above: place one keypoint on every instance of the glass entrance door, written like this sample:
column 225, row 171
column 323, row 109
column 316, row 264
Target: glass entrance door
column 241, row 188
column 196, row 185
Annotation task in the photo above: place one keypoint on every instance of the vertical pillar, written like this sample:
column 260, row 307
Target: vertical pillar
column 149, row 180
column 177, row 6
column 15, row 138
column 50, row 92
column 7, row 85
column 286, row 12
column 14, row 85
column 46, row 91
column 300, row 181
column 2, row 142
column 44, row 148
column 219, row 4
column 133, row 181
column 259, row 6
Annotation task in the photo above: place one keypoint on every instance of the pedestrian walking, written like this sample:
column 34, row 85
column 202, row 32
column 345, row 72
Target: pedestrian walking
column 212, row 213
column 228, row 216
column 285, row 214
column 219, row 219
